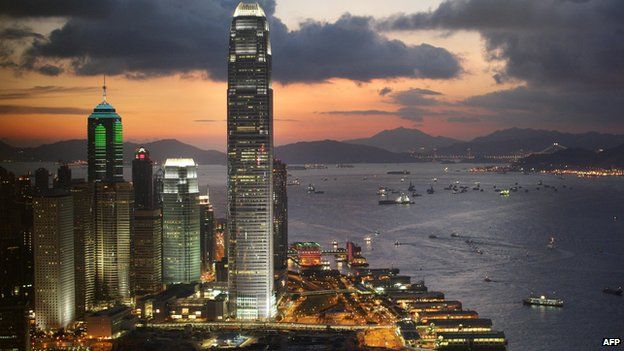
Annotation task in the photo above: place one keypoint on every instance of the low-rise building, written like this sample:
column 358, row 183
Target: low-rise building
column 110, row 323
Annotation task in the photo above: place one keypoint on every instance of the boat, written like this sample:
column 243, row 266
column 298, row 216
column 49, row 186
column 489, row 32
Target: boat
column 616, row 292
column 402, row 180
column 433, row 236
column 403, row 200
column 397, row 243
column 455, row 235
column 368, row 240
column 411, row 187
column 479, row 251
column 376, row 232
column 344, row 165
column 487, row 279
column 315, row 166
column 430, row 190
column 311, row 188
column 543, row 301
column 405, row 172
column 296, row 181
column 504, row 193
column 435, row 180
column 382, row 191
column 551, row 243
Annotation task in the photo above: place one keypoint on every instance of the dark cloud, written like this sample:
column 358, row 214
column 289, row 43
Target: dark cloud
column 38, row 91
column 544, row 42
column 358, row 113
column 463, row 119
column 33, row 110
column 385, row 91
column 416, row 96
column 18, row 34
column 145, row 38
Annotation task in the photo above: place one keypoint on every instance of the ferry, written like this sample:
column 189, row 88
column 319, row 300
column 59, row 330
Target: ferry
column 401, row 200
column 616, row 292
column 543, row 301
column 551, row 243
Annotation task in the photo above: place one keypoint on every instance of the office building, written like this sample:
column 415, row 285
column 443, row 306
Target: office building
column 147, row 251
column 280, row 226
column 206, row 231
column 181, row 244
column 63, row 179
column 250, row 165
column 142, row 179
column 54, row 260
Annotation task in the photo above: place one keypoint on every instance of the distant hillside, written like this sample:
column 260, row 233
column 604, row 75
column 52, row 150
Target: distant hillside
column 72, row 150
column 575, row 158
column 331, row 151
column 404, row 140
column 514, row 140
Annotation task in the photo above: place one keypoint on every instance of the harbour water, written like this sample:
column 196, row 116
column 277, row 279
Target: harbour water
column 586, row 218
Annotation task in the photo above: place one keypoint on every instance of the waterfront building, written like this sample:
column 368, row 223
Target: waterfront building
column 206, row 231
column 114, row 203
column 147, row 251
column 14, row 330
column 105, row 143
column 181, row 243
column 54, row 260
column 84, row 246
column 16, row 218
column 308, row 254
column 250, row 165
column 63, row 179
column 142, row 180
column 42, row 180
column 280, row 226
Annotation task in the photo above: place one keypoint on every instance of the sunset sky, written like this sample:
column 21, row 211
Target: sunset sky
column 342, row 69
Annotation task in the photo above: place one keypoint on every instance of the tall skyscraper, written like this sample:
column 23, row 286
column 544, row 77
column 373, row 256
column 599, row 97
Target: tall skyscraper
column 114, row 203
column 105, row 143
column 159, row 187
column 142, row 179
column 181, row 245
column 84, row 246
column 147, row 251
column 206, row 231
column 250, row 165
column 63, row 177
column 42, row 180
column 280, row 225
column 54, row 259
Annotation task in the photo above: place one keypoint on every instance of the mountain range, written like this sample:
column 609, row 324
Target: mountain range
column 386, row 146
column 575, row 158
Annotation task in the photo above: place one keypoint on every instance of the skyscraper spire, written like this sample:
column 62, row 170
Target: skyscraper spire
column 104, row 89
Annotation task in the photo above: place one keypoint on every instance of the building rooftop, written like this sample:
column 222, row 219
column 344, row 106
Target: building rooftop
column 179, row 162
column 245, row 9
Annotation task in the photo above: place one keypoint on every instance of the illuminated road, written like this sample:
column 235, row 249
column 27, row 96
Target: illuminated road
column 330, row 292
column 266, row 326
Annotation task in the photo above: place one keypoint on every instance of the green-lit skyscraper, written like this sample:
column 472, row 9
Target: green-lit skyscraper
column 105, row 143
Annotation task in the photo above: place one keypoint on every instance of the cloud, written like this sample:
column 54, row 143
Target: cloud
column 16, row 33
column 146, row 38
column 207, row 120
column 359, row 113
column 385, row 91
column 34, row 110
column 463, row 119
column 42, row 90
column 543, row 42
column 416, row 96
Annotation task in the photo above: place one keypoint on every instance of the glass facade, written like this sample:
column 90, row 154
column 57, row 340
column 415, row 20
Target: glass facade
column 250, row 158
column 105, row 144
column 181, row 242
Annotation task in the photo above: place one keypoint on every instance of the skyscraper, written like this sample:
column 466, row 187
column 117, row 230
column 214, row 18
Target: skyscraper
column 54, row 259
column 114, row 203
column 42, row 180
column 250, row 165
column 84, row 246
column 105, row 143
column 147, row 251
column 181, row 245
column 206, row 231
column 280, row 225
column 142, row 178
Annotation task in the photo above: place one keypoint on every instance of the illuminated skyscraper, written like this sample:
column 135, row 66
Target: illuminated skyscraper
column 250, row 165
column 147, row 251
column 114, row 203
column 105, row 143
column 54, row 259
column 280, row 225
column 181, row 245
column 206, row 231
column 142, row 179
column 84, row 246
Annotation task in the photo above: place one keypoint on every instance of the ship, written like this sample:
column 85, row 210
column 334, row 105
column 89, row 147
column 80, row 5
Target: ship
column 401, row 200
column 551, row 243
column 616, row 292
column 433, row 236
column 455, row 235
column 312, row 190
column 430, row 190
column 487, row 279
column 411, row 187
column 382, row 191
column 543, row 301
column 405, row 172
